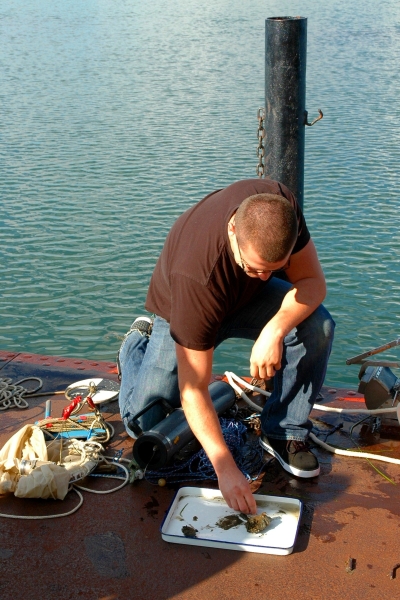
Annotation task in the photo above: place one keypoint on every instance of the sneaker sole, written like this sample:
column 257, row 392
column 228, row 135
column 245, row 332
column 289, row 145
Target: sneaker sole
column 138, row 324
column 286, row 466
column 138, row 319
column 131, row 330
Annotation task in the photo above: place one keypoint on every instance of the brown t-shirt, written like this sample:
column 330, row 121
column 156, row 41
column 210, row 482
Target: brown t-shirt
column 196, row 283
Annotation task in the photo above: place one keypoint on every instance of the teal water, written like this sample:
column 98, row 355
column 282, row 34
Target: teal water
column 117, row 116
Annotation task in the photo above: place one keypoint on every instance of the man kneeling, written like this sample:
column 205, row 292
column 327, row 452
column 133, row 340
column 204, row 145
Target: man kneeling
column 217, row 278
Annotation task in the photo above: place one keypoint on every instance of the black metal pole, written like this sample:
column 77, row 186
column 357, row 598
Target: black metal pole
column 285, row 100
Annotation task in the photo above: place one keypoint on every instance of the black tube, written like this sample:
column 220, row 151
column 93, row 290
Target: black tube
column 285, row 101
column 154, row 449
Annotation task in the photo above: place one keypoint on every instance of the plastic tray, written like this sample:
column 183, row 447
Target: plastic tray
column 201, row 508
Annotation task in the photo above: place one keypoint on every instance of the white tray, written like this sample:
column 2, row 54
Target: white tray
column 201, row 508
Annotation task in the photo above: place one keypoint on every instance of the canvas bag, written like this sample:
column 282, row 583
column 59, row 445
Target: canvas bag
column 46, row 478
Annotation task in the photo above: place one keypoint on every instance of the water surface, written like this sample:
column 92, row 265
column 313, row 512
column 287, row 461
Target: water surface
column 117, row 116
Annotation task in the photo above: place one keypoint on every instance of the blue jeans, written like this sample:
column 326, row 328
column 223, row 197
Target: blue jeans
column 149, row 367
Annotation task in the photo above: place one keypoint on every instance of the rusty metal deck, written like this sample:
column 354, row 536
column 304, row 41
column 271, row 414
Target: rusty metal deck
column 111, row 548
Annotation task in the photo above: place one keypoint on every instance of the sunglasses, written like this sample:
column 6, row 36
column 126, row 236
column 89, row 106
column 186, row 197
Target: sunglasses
column 248, row 269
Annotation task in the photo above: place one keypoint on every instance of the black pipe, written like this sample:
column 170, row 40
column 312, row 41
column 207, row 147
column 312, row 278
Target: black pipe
column 154, row 448
column 285, row 101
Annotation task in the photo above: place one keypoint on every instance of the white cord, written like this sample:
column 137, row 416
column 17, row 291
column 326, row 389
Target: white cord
column 361, row 411
column 352, row 453
column 11, row 395
column 231, row 377
column 49, row 516
column 357, row 411
column 74, row 487
column 124, row 479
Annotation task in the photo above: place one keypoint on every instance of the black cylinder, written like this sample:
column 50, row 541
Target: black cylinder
column 285, row 101
column 154, row 448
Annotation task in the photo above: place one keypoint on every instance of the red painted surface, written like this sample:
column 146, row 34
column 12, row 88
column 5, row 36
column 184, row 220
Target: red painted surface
column 58, row 362
column 111, row 548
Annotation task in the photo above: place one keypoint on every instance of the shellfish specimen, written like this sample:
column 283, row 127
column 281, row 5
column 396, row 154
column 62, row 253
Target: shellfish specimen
column 254, row 524
column 257, row 523
column 229, row 521
column 189, row 531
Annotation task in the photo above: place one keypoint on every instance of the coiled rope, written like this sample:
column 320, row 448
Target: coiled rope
column 12, row 394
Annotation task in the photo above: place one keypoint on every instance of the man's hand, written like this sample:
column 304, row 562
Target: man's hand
column 236, row 490
column 307, row 292
column 194, row 370
column 266, row 354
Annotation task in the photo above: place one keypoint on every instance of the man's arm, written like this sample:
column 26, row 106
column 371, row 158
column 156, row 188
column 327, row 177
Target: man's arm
column 194, row 372
column 306, row 294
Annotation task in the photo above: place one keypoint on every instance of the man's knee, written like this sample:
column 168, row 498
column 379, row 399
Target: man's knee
column 317, row 330
column 328, row 324
column 321, row 328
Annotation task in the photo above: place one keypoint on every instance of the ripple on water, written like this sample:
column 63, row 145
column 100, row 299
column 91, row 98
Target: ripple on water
column 113, row 124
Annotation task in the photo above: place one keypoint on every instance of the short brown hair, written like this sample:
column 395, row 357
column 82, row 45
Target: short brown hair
column 268, row 222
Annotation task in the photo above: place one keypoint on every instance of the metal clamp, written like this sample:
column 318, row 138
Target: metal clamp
column 315, row 120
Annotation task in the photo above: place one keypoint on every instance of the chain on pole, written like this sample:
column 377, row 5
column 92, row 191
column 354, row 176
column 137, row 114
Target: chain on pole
column 260, row 149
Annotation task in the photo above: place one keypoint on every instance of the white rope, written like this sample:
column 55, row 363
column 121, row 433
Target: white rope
column 352, row 453
column 124, row 480
column 361, row 411
column 74, row 489
column 11, row 395
column 358, row 411
column 84, row 449
column 38, row 518
column 231, row 380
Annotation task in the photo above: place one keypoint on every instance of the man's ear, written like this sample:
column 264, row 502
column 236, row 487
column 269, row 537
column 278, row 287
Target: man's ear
column 231, row 227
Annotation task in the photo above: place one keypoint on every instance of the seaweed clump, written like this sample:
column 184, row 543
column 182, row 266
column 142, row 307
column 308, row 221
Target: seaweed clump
column 189, row 531
column 258, row 523
column 229, row 521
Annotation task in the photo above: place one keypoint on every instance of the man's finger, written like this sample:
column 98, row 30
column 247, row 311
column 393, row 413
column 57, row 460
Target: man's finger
column 249, row 505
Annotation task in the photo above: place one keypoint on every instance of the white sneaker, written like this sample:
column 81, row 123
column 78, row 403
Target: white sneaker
column 144, row 326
